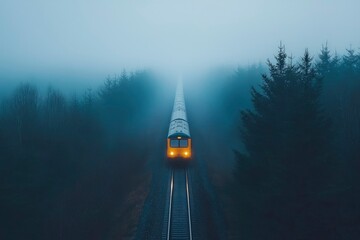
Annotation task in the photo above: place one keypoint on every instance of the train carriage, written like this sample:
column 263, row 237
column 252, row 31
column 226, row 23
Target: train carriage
column 179, row 138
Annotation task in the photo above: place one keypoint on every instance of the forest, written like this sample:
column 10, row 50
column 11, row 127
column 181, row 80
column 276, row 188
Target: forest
column 294, row 130
column 289, row 134
column 268, row 105
column 68, row 162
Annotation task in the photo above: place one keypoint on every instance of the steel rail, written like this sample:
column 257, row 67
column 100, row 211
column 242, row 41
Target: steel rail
column 179, row 193
column 170, row 203
column 188, row 203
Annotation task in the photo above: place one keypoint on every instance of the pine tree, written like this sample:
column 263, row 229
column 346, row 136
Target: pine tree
column 285, row 136
column 335, row 62
column 350, row 62
column 324, row 65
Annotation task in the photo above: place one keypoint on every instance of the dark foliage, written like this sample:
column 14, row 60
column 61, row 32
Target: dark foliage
column 290, row 179
column 67, row 163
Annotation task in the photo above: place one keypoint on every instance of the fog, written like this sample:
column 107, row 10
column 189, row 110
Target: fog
column 42, row 39
column 86, row 98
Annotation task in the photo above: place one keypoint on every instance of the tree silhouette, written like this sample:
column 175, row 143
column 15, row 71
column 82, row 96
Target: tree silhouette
column 57, row 162
column 350, row 63
column 24, row 105
column 286, row 159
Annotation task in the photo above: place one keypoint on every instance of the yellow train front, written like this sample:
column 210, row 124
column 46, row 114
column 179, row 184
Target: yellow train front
column 179, row 147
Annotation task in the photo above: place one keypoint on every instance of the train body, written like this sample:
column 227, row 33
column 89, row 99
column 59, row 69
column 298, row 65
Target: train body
column 179, row 146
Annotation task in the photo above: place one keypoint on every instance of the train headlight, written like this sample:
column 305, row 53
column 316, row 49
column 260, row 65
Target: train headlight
column 171, row 153
column 186, row 153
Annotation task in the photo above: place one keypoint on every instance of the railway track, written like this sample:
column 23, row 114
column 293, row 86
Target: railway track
column 178, row 209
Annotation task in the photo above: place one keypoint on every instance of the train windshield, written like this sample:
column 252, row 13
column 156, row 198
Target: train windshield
column 174, row 143
column 183, row 143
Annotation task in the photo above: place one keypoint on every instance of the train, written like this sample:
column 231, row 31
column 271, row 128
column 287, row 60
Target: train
column 179, row 146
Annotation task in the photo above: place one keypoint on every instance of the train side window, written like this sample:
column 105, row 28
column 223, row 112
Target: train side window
column 183, row 143
column 174, row 143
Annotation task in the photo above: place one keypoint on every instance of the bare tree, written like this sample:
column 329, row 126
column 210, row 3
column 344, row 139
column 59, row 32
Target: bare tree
column 24, row 107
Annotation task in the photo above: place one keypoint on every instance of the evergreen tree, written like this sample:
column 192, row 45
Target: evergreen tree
column 285, row 136
column 335, row 62
column 325, row 62
column 350, row 62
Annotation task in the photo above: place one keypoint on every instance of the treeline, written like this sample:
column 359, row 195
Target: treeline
column 297, row 172
column 66, row 163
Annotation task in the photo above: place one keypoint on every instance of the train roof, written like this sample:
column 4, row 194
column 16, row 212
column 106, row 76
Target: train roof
column 179, row 125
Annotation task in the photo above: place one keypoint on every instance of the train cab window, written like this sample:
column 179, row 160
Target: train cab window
column 183, row 143
column 174, row 143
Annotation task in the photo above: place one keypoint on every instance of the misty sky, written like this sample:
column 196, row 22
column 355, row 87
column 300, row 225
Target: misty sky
column 106, row 36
